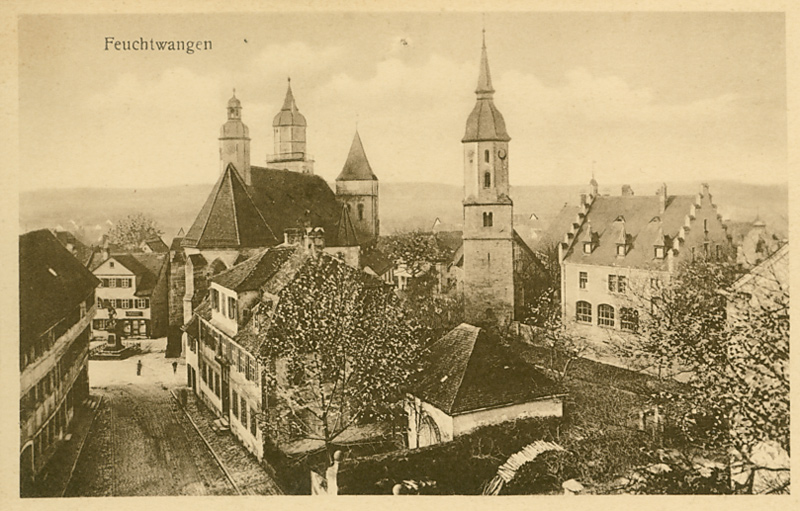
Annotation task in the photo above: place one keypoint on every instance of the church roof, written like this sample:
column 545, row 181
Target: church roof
column 466, row 370
column 289, row 200
column 289, row 114
column 485, row 122
column 357, row 167
column 229, row 218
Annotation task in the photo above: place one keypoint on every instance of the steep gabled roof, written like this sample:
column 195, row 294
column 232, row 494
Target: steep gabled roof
column 357, row 167
column 377, row 261
column 52, row 283
column 79, row 249
column 468, row 371
column 229, row 218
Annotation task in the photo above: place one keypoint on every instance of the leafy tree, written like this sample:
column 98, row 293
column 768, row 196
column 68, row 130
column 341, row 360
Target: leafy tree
column 739, row 383
column 129, row 232
column 348, row 345
column 544, row 314
column 431, row 302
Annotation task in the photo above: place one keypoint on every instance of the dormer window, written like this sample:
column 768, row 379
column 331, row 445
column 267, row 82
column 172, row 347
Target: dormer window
column 621, row 249
column 587, row 247
column 659, row 252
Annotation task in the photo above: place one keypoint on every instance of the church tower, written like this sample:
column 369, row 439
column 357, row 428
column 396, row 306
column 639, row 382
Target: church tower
column 234, row 141
column 357, row 189
column 488, row 210
column 289, row 132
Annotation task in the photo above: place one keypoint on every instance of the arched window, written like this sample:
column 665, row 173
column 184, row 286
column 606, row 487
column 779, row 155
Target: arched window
column 487, row 219
column 583, row 312
column 705, row 225
column 629, row 319
column 487, row 180
column 486, row 156
column 605, row 315
column 361, row 212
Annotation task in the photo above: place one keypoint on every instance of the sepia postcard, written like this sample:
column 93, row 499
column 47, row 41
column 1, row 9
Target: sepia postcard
column 375, row 249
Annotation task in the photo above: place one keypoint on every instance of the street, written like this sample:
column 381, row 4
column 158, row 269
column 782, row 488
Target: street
column 141, row 443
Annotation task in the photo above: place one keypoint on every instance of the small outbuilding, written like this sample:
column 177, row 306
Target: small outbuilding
column 470, row 380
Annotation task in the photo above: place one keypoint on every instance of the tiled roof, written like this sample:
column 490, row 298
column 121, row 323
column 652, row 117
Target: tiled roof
column 643, row 223
column 357, row 167
column 229, row 218
column 253, row 272
column 289, row 200
column 468, row 371
column 157, row 245
column 52, row 282
column 377, row 261
column 176, row 243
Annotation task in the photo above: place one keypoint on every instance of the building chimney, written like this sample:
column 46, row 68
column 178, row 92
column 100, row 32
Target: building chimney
column 293, row 236
column 662, row 198
column 314, row 240
column 627, row 191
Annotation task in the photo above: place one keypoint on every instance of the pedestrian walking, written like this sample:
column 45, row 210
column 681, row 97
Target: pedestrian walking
column 139, row 368
column 175, row 367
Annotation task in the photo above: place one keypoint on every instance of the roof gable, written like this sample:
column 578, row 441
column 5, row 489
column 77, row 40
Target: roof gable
column 229, row 218
column 255, row 271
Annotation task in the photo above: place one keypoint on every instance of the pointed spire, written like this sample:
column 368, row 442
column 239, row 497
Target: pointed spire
column 288, row 102
column 357, row 167
column 289, row 114
column 485, row 88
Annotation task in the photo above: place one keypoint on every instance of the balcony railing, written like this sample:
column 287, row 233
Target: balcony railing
column 299, row 156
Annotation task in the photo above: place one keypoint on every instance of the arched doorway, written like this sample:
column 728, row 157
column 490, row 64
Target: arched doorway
column 428, row 432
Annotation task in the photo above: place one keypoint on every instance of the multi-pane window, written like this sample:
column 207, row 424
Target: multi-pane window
column 125, row 283
column 583, row 279
column 142, row 303
column 617, row 283
column 253, row 423
column 215, row 299
column 231, row 307
column 605, row 315
column 99, row 303
column 244, row 412
column 629, row 319
column 99, row 324
column 583, row 312
column 112, row 282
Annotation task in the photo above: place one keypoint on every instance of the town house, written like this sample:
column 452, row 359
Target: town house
column 57, row 304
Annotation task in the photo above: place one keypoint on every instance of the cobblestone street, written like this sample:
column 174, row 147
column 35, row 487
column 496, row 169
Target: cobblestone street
column 142, row 443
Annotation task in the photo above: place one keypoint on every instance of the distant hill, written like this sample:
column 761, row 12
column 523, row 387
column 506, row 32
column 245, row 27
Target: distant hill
column 403, row 206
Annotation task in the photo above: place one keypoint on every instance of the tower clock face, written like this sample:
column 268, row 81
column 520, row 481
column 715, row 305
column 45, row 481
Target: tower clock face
column 501, row 153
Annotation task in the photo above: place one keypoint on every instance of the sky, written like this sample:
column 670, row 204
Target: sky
column 632, row 97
